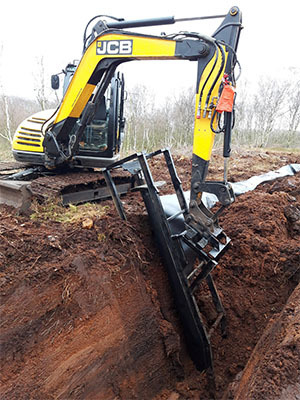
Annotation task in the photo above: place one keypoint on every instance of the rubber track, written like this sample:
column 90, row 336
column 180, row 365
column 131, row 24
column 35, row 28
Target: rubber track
column 52, row 186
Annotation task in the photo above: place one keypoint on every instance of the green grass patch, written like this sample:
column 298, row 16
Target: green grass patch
column 53, row 211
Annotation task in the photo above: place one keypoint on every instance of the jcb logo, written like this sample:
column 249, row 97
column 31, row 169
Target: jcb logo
column 114, row 47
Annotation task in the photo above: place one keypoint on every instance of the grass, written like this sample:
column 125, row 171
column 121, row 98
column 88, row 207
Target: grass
column 53, row 211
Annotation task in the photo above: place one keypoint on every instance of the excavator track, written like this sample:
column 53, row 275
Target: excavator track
column 77, row 187
column 18, row 183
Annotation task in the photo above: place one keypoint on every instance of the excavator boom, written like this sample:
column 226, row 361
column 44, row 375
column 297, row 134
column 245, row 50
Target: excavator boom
column 109, row 47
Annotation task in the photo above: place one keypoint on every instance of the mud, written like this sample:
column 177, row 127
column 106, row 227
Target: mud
column 87, row 313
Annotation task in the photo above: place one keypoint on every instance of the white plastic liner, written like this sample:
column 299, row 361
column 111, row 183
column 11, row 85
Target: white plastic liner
column 252, row 183
column 171, row 205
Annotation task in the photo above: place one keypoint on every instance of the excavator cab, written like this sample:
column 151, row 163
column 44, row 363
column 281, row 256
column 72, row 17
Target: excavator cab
column 102, row 137
column 105, row 132
column 95, row 136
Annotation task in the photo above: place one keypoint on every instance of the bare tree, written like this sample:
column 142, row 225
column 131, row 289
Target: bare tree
column 138, row 109
column 293, row 101
column 244, row 115
column 45, row 96
column 152, row 124
column 269, row 115
column 39, row 83
column 6, row 132
column 269, row 102
column 183, row 117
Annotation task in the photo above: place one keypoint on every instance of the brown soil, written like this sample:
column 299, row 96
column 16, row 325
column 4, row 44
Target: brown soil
column 272, row 371
column 88, row 313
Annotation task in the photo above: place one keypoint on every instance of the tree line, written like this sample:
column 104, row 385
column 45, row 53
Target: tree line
column 268, row 116
column 265, row 116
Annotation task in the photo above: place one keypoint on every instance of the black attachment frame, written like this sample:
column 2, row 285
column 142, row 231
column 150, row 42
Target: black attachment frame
column 184, row 276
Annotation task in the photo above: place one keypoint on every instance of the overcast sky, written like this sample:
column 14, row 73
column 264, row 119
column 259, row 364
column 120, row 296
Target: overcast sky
column 54, row 29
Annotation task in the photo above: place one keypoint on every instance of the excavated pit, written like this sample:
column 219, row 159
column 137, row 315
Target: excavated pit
column 86, row 308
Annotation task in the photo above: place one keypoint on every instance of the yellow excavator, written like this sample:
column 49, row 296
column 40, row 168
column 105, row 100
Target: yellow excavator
column 87, row 128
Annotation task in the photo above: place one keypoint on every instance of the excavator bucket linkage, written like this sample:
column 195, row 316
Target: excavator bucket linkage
column 187, row 260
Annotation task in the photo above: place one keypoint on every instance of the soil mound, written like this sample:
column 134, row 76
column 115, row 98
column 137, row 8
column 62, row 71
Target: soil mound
column 272, row 371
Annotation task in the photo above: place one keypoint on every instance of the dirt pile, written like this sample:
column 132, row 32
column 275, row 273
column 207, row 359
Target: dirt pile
column 272, row 371
column 258, row 274
column 254, row 279
column 87, row 313
column 79, row 318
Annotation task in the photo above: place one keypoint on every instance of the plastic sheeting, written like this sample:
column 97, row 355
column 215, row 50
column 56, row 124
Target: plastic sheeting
column 171, row 205
column 252, row 183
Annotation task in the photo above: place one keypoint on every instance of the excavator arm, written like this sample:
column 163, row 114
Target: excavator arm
column 108, row 47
